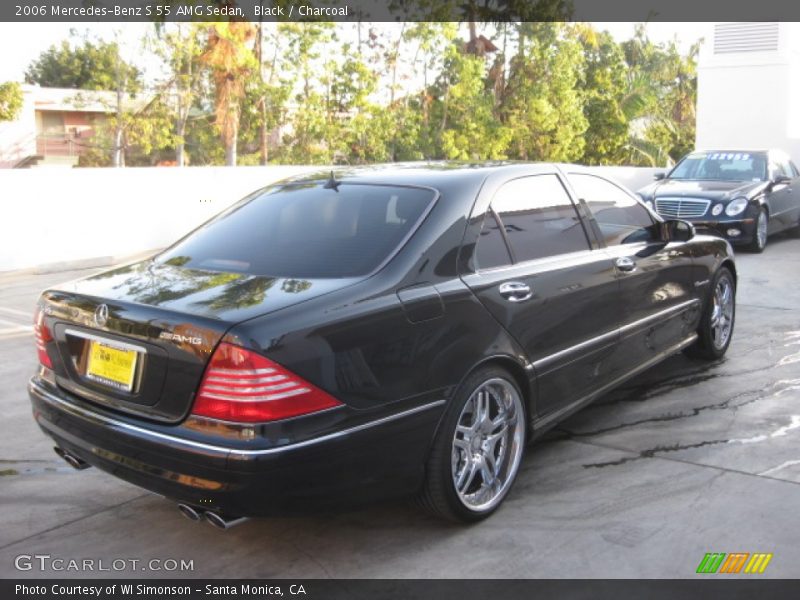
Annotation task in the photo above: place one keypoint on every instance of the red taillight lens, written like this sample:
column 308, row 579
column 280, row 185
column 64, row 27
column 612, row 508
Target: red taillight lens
column 42, row 335
column 245, row 387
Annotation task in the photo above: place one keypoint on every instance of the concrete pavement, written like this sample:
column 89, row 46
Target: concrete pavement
column 686, row 459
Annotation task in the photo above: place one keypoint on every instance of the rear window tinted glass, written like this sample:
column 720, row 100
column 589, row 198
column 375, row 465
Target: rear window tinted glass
column 305, row 231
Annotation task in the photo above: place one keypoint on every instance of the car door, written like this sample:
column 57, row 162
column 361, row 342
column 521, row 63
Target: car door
column 780, row 195
column 794, row 212
column 536, row 271
column 783, row 195
column 658, row 294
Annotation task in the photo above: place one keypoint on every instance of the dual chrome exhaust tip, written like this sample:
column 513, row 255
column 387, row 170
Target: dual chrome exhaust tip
column 72, row 460
column 215, row 519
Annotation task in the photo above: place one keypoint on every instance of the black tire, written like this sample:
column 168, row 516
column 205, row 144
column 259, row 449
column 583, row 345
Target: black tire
column 795, row 231
column 759, row 242
column 707, row 346
column 439, row 495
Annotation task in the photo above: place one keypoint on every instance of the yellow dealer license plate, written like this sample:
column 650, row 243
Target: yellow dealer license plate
column 111, row 366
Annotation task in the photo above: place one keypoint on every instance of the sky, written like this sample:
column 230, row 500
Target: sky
column 21, row 43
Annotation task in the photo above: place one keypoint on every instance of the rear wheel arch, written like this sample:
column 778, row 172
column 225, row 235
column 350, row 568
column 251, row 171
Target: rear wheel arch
column 502, row 361
column 514, row 368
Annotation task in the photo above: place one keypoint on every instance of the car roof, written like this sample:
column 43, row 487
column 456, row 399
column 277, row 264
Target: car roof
column 736, row 150
column 435, row 174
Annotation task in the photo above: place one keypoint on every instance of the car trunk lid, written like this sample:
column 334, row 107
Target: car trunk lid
column 137, row 339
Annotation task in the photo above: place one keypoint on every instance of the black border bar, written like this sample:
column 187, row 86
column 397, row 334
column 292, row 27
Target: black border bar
column 705, row 587
column 120, row 11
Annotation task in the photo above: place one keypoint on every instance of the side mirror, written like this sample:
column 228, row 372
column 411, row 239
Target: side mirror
column 659, row 176
column 676, row 230
column 781, row 180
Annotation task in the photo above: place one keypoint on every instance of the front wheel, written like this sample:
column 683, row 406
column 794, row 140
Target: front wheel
column 760, row 234
column 478, row 449
column 795, row 231
column 716, row 324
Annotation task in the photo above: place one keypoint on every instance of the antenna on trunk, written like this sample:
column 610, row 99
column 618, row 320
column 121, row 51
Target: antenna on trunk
column 332, row 184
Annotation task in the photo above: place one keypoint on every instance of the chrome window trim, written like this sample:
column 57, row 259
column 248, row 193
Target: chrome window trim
column 543, row 363
column 46, row 396
column 623, row 331
column 633, row 326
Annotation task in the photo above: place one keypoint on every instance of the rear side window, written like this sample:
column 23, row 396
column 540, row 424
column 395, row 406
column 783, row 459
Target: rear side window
column 306, row 231
column 492, row 250
column 539, row 218
column 622, row 220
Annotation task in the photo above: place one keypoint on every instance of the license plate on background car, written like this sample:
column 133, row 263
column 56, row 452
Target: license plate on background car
column 111, row 366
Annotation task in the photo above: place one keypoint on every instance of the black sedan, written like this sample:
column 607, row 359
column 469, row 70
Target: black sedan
column 743, row 196
column 333, row 339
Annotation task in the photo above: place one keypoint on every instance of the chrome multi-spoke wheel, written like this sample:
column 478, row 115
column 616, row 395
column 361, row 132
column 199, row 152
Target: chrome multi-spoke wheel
column 715, row 329
column 478, row 448
column 722, row 313
column 487, row 444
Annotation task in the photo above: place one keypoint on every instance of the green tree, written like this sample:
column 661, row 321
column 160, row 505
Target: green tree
column 10, row 100
column 468, row 127
column 141, row 135
column 180, row 47
column 311, row 119
column 86, row 66
column 665, row 83
column 542, row 104
column 604, row 106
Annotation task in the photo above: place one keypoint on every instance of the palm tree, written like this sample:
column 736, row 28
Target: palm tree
column 636, row 105
column 230, row 57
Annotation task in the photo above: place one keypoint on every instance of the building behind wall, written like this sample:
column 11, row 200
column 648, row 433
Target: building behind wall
column 54, row 127
column 748, row 87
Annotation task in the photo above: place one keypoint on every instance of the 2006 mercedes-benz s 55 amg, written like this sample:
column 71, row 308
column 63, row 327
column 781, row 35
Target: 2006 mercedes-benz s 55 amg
column 375, row 332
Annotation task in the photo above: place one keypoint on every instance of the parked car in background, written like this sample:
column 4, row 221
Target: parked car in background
column 742, row 195
column 389, row 331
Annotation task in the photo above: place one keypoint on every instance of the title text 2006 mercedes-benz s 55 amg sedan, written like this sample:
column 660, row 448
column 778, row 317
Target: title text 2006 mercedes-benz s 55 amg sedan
column 375, row 332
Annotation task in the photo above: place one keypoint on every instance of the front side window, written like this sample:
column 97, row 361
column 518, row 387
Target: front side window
column 539, row 218
column 305, row 230
column 786, row 168
column 620, row 217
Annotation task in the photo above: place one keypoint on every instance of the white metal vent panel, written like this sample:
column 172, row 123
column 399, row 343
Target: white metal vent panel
column 746, row 37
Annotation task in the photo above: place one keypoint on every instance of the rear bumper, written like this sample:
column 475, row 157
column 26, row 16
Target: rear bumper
column 383, row 458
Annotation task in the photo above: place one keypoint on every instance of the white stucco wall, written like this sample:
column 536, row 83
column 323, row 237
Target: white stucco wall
column 55, row 218
column 750, row 98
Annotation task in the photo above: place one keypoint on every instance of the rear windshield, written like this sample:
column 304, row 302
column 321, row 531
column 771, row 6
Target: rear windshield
column 306, row 231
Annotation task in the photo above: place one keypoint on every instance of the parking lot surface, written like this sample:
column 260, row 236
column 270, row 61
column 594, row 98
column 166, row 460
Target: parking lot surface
column 686, row 459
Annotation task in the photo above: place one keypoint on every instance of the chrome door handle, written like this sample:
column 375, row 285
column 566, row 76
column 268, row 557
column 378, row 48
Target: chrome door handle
column 625, row 264
column 515, row 291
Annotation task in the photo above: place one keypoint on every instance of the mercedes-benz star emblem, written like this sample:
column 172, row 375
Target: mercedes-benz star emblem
column 101, row 315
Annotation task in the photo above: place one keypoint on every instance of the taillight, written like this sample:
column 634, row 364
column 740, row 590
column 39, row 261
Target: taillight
column 42, row 335
column 245, row 387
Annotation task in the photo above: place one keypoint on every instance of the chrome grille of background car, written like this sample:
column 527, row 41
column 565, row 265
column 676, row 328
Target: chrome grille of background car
column 681, row 208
